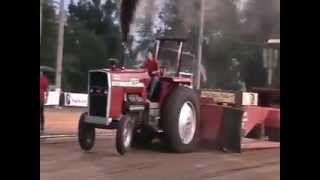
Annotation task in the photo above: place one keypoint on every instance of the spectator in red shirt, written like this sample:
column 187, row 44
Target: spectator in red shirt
column 152, row 65
column 43, row 98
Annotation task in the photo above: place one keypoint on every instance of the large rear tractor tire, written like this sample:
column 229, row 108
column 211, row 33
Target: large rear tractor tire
column 180, row 118
column 124, row 134
column 86, row 134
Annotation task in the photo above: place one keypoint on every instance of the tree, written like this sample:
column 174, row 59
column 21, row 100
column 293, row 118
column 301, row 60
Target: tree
column 93, row 35
column 234, row 33
column 49, row 36
column 91, row 38
column 111, row 31
column 221, row 30
column 85, row 50
column 261, row 18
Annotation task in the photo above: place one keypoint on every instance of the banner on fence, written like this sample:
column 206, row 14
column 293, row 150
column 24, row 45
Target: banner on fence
column 75, row 99
column 53, row 98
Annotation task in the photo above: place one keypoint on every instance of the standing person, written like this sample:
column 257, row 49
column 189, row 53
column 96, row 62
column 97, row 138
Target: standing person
column 152, row 65
column 43, row 98
column 235, row 83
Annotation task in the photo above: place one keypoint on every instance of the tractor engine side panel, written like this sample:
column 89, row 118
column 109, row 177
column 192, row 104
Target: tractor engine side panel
column 118, row 98
column 116, row 102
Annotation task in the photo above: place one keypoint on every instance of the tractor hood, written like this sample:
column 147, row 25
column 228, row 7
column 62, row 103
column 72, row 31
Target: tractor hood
column 125, row 77
column 121, row 71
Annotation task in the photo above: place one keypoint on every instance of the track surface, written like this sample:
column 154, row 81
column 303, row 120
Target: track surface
column 63, row 159
column 64, row 121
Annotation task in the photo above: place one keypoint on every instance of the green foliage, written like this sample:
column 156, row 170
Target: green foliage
column 85, row 50
column 229, row 37
column 48, row 45
column 91, row 38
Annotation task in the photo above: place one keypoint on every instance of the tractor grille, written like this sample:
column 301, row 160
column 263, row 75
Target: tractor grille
column 98, row 93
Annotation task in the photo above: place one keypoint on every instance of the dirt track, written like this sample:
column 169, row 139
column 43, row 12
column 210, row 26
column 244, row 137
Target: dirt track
column 64, row 121
column 64, row 160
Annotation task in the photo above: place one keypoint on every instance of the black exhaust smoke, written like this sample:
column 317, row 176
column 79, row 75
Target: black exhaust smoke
column 128, row 8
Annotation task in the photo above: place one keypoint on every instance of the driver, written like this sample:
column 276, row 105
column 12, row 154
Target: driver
column 152, row 65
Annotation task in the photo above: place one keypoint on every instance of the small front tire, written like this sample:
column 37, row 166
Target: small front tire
column 86, row 134
column 124, row 134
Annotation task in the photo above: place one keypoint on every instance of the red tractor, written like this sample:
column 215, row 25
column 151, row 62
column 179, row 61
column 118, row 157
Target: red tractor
column 118, row 98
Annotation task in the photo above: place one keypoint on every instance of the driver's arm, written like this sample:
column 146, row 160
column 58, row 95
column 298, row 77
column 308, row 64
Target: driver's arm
column 157, row 71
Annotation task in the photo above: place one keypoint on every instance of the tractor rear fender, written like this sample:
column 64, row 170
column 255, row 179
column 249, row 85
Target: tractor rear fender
column 170, row 83
column 182, row 80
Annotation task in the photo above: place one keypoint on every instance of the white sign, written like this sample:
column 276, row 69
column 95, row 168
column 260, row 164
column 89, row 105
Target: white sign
column 249, row 99
column 274, row 41
column 53, row 98
column 76, row 99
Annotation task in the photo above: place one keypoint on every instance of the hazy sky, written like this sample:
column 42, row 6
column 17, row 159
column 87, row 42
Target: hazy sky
column 66, row 3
